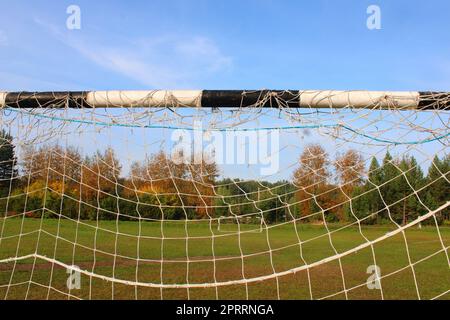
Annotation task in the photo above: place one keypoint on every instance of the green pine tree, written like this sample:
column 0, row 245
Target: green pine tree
column 438, row 192
column 8, row 171
column 366, row 199
column 410, row 207
column 375, row 178
column 392, row 182
column 8, row 162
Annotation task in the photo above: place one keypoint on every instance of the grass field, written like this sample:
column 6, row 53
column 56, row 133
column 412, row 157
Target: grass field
column 197, row 261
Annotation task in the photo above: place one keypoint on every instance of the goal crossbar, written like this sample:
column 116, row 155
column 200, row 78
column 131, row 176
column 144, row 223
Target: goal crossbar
column 407, row 100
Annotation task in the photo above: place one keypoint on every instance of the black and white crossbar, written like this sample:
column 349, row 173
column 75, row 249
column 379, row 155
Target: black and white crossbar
column 419, row 100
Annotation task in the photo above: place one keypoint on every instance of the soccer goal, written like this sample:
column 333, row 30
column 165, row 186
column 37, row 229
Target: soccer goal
column 232, row 194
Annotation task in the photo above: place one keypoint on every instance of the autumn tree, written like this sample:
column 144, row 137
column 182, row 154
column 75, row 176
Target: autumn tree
column 100, row 174
column 50, row 172
column 52, row 166
column 201, row 181
column 190, row 185
column 349, row 168
column 100, row 185
column 158, row 173
column 311, row 179
column 51, row 163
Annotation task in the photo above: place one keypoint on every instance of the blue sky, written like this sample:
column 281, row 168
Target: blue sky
column 201, row 44
column 227, row 44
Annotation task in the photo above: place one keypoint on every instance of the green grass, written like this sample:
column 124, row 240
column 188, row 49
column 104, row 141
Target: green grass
column 21, row 280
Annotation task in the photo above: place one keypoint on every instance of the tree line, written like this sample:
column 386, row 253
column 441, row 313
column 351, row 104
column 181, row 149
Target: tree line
column 395, row 190
column 53, row 180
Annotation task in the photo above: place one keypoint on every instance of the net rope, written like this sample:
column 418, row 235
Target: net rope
column 98, row 196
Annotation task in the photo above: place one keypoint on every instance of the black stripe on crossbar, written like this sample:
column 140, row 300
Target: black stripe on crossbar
column 61, row 99
column 429, row 100
column 247, row 98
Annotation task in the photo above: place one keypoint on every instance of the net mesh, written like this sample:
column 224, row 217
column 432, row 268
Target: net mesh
column 224, row 203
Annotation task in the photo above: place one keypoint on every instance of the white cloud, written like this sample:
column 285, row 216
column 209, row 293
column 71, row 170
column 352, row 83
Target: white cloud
column 161, row 62
column 203, row 48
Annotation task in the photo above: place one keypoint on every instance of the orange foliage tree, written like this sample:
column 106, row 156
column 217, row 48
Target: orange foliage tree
column 311, row 179
column 192, row 184
column 350, row 170
column 100, row 175
column 53, row 164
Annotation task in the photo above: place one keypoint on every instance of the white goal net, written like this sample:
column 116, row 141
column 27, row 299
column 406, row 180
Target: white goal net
column 241, row 195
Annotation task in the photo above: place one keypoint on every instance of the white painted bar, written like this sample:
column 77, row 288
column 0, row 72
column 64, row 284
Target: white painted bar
column 359, row 99
column 151, row 98
column 2, row 99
